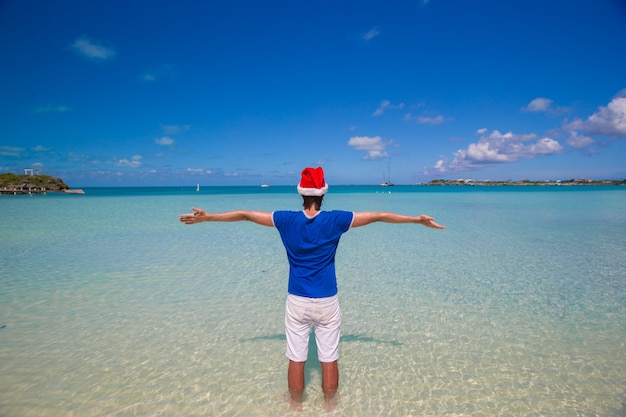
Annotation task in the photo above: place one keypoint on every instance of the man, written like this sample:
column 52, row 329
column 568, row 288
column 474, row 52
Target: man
column 310, row 238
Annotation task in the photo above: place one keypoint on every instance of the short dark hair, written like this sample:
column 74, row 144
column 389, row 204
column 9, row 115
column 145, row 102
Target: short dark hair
column 308, row 201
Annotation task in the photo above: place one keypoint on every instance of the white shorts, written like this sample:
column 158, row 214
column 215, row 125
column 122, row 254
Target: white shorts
column 324, row 315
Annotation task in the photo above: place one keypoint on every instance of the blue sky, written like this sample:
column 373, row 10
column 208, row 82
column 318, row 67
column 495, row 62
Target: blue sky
column 126, row 93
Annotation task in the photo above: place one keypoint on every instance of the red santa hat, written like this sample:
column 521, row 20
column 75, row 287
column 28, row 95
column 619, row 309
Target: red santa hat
column 312, row 182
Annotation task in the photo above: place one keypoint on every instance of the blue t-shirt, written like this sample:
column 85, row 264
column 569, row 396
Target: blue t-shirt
column 311, row 244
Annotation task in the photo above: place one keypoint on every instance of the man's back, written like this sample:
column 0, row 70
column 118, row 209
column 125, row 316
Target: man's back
column 311, row 244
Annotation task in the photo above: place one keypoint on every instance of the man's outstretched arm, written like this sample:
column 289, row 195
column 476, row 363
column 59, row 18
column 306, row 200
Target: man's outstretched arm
column 362, row 218
column 263, row 218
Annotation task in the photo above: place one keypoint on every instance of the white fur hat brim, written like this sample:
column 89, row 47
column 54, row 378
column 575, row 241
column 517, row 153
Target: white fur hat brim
column 313, row 192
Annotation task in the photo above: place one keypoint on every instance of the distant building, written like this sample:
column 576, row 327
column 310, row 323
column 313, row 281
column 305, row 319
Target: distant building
column 31, row 172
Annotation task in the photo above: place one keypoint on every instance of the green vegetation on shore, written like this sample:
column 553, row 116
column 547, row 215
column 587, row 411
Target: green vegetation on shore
column 528, row 182
column 10, row 181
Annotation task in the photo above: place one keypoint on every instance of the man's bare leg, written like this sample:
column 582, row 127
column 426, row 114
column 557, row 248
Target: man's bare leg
column 295, row 381
column 330, row 384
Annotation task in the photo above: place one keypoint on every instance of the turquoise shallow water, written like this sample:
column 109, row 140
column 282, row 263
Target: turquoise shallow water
column 111, row 307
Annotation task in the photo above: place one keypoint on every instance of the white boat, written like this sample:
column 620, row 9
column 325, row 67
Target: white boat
column 198, row 187
column 387, row 182
column 264, row 185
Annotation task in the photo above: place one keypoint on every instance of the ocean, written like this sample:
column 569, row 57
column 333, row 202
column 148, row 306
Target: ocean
column 111, row 307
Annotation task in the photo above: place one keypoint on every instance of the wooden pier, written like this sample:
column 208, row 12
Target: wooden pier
column 36, row 191
column 23, row 191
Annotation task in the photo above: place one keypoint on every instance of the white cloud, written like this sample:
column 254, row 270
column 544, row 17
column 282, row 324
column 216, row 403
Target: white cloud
column 40, row 148
column 73, row 156
column 164, row 141
column 497, row 148
column 374, row 146
column 544, row 105
column 427, row 120
column 381, row 109
column 92, row 50
column 11, row 151
column 539, row 104
column 371, row 34
column 164, row 71
column 199, row 171
column 579, row 142
column 134, row 162
column 384, row 105
column 609, row 120
column 441, row 164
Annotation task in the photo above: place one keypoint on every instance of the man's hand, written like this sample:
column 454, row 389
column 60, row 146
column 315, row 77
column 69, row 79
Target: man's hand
column 197, row 216
column 430, row 222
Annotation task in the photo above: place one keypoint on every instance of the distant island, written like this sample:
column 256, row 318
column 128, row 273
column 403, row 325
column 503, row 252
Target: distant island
column 527, row 182
column 33, row 184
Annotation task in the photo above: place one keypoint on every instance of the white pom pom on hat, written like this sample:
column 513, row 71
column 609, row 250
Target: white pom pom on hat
column 312, row 183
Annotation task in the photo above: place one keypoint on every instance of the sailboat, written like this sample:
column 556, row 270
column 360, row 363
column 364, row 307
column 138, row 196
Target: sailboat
column 387, row 182
column 198, row 187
